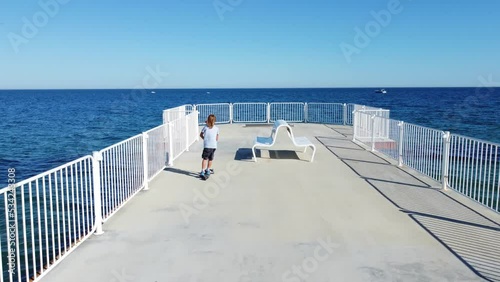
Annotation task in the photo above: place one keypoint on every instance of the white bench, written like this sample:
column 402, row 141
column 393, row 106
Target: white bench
column 266, row 142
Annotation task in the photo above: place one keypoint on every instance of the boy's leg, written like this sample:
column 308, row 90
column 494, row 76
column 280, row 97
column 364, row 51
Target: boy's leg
column 210, row 159
column 204, row 156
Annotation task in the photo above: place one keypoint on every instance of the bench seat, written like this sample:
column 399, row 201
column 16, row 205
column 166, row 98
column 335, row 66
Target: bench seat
column 266, row 142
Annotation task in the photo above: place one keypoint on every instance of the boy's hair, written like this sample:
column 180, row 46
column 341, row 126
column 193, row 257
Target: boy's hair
column 211, row 120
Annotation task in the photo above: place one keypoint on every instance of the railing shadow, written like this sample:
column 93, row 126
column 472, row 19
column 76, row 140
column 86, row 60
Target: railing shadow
column 472, row 237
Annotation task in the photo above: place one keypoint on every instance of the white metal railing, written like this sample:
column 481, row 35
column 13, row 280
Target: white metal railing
column 467, row 165
column 193, row 129
column 392, row 146
column 222, row 111
column 474, row 169
column 180, row 134
column 423, row 150
column 122, row 173
column 157, row 149
column 46, row 217
column 177, row 112
column 371, row 127
column 349, row 114
column 288, row 111
column 260, row 112
column 331, row 113
column 250, row 112
column 414, row 146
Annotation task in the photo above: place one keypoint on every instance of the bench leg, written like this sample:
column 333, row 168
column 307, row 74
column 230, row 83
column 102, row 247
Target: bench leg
column 305, row 149
column 253, row 153
column 314, row 152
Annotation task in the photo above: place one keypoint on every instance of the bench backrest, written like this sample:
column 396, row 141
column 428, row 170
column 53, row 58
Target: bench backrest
column 277, row 125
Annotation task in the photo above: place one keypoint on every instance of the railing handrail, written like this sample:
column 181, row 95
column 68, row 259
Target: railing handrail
column 211, row 104
column 475, row 139
column 368, row 110
column 154, row 128
column 247, row 103
column 45, row 173
column 327, row 103
column 423, row 127
column 120, row 143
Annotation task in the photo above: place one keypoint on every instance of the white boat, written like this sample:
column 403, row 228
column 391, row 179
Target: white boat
column 383, row 91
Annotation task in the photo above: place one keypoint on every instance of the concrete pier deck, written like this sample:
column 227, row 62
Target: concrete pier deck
column 351, row 215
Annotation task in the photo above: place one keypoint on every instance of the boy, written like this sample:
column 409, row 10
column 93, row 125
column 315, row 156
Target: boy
column 210, row 136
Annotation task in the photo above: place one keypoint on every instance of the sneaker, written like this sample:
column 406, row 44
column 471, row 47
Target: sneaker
column 202, row 174
column 208, row 172
column 212, row 171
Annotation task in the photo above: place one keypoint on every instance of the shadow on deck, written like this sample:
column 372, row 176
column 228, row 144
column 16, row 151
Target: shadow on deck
column 472, row 237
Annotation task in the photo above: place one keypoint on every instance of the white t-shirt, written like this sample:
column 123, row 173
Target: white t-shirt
column 210, row 136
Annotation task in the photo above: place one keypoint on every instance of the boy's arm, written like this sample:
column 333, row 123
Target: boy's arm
column 202, row 133
column 217, row 138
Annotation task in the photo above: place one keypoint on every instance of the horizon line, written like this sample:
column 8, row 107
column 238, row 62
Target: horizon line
column 202, row 88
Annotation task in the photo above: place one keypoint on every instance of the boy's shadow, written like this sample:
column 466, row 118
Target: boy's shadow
column 184, row 172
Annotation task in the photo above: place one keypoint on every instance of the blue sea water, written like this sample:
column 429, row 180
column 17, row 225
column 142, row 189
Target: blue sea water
column 41, row 129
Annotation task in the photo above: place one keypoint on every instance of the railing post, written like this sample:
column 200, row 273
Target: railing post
column 354, row 125
column 197, row 115
column 230, row 113
column 145, row 138
column 344, row 114
column 306, row 112
column 373, row 132
column 268, row 112
column 400, row 146
column 446, row 159
column 187, row 133
column 96, row 173
column 170, row 145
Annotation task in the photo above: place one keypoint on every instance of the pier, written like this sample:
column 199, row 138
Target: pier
column 354, row 214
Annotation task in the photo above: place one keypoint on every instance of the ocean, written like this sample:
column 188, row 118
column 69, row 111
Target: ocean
column 42, row 129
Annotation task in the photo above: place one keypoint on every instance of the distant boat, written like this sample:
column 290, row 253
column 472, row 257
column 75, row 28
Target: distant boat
column 152, row 92
column 383, row 91
column 208, row 92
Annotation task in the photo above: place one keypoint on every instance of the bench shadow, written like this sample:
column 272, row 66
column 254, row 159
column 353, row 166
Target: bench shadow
column 470, row 236
column 245, row 154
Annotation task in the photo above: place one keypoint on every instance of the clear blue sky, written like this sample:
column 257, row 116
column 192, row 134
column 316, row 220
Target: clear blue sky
column 257, row 43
